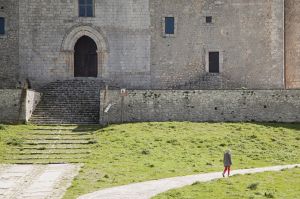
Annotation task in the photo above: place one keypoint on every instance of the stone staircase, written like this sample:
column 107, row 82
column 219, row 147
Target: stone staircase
column 54, row 145
column 69, row 102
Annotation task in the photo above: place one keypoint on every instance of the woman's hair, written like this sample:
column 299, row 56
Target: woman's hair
column 227, row 151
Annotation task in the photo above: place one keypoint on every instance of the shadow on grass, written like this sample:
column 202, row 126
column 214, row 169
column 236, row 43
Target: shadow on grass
column 293, row 126
column 82, row 128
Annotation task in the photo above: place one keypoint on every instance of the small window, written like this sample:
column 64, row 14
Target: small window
column 86, row 8
column 214, row 62
column 2, row 26
column 209, row 19
column 169, row 25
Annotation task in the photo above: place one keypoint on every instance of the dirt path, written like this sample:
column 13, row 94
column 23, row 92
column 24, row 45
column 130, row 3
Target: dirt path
column 146, row 190
column 36, row 181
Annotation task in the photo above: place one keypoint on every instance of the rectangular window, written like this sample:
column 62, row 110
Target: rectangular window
column 2, row 26
column 169, row 25
column 209, row 19
column 86, row 8
column 214, row 62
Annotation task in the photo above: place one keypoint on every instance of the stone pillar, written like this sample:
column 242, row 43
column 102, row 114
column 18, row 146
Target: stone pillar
column 69, row 56
column 292, row 44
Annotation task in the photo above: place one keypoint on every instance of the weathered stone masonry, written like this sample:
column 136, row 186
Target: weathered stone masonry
column 201, row 105
column 17, row 105
column 133, row 51
column 257, row 40
column 9, row 44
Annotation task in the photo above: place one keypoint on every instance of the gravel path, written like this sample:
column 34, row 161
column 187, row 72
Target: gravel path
column 146, row 190
column 36, row 181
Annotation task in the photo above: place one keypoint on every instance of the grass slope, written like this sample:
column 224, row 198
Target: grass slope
column 45, row 144
column 284, row 184
column 138, row 152
column 11, row 136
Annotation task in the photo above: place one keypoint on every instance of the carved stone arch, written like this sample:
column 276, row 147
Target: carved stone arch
column 72, row 37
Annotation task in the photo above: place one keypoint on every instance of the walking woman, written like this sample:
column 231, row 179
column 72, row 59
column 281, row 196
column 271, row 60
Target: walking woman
column 227, row 162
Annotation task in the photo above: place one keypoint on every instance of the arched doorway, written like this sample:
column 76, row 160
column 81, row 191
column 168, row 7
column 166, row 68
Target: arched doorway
column 85, row 58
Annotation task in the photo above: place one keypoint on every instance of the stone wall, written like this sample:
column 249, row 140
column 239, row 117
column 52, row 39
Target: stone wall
column 9, row 48
column 248, row 34
column 201, row 105
column 32, row 100
column 16, row 105
column 292, row 43
column 133, row 52
column 121, row 26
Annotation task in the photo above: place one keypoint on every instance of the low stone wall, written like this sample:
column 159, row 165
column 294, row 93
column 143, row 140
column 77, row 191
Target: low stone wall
column 200, row 105
column 17, row 105
column 32, row 100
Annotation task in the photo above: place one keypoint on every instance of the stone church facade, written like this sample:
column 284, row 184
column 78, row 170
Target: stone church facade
column 151, row 44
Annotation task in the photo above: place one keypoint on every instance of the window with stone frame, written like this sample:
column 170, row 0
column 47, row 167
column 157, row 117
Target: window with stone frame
column 214, row 62
column 86, row 8
column 2, row 25
column 169, row 25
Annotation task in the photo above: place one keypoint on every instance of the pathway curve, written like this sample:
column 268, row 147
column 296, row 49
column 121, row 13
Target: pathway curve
column 146, row 190
column 36, row 181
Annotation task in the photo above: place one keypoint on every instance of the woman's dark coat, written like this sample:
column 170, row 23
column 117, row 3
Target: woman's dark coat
column 227, row 159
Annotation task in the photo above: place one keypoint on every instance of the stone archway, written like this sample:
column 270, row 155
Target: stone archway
column 71, row 39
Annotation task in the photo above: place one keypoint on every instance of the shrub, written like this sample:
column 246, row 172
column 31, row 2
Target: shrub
column 253, row 186
column 196, row 183
column 269, row 195
column 145, row 152
column 173, row 142
column 106, row 176
column 253, row 137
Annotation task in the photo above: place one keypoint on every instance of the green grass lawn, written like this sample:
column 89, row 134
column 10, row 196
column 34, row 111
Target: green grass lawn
column 144, row 151
column 11, row 136
column 283, row 184
column 138, row 152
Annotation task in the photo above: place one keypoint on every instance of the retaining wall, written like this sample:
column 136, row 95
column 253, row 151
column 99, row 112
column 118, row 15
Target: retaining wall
column 201, row 105
column 17, row 105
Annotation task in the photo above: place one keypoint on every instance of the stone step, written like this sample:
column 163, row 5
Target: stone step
column 45, row 157
column 37, row 142
column 46, row 161
column 76, row 112
column 58, row 139
column 80, row 121
column 59, row 134
column 51, row 152
column 63, row 117
column 61, row 121
column 69, row 102
column 56, row 146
